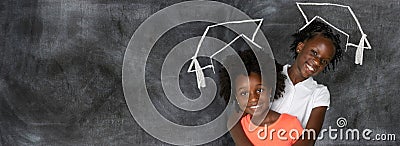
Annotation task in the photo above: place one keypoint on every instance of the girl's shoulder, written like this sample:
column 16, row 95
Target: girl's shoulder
column 288, row 122
column 285, row 116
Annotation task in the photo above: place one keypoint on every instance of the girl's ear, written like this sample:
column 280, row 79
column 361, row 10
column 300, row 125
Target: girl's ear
column 299, row 47
column 236, row 105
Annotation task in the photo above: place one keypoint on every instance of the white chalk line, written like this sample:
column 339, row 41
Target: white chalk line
column 198, row 69
column 363, row 40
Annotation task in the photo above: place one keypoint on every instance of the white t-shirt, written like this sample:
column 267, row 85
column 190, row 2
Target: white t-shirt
column 300, row 99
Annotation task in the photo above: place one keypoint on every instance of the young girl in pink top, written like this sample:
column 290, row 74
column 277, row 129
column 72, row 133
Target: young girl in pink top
column 249, row 91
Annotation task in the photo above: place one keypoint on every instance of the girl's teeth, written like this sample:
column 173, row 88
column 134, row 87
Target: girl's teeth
column 256, row 106
column 310, row 68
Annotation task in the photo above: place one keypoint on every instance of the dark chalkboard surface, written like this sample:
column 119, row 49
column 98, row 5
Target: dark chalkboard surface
column 61, row 69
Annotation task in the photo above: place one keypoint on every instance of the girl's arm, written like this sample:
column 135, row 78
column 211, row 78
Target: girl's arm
column 238, row 135
column 314, row 122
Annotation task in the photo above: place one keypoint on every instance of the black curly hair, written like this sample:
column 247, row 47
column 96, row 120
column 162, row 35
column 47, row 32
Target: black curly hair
column 316, row 28
column 251, row 64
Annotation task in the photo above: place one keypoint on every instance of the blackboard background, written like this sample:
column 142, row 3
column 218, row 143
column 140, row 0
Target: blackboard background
column 61, row 62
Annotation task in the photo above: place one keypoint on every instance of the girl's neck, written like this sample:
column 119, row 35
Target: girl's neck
column 295, row 75
column 272, row 117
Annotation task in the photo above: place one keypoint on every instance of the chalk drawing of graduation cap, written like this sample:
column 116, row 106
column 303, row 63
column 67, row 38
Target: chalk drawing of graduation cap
column 363, row 40
column 195, row 63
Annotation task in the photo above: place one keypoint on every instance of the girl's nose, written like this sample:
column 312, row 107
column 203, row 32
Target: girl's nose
column 317, row 62
column 254, row 97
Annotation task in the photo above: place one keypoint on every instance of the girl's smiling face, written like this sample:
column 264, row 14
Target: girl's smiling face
column 313, row 56
column 250, row 93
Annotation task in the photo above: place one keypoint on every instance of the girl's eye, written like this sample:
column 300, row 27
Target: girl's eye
column 314, row 53
column 324, row 62
column 260, row 90
column 244, row 93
